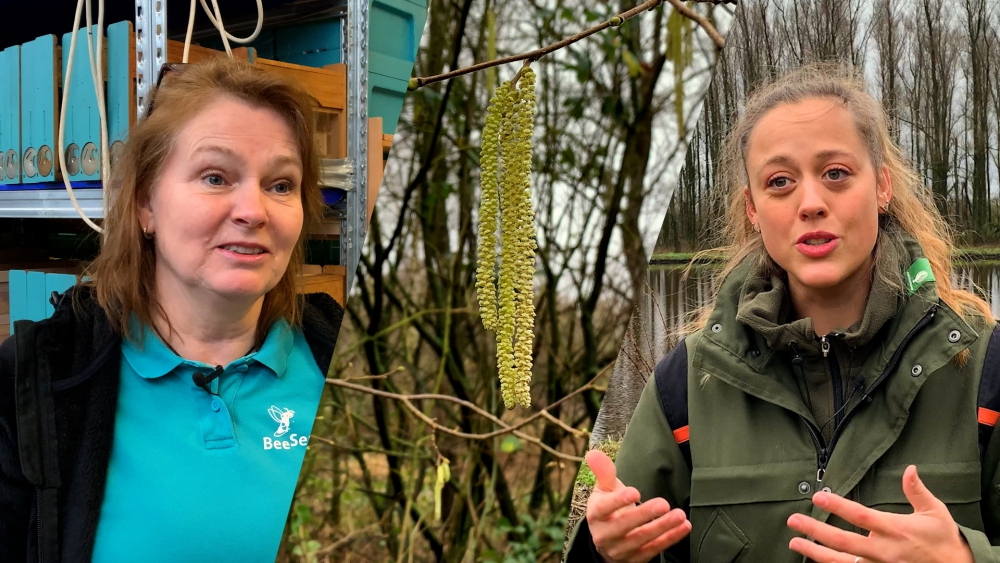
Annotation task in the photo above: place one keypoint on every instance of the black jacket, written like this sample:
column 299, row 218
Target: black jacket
column 59, row 383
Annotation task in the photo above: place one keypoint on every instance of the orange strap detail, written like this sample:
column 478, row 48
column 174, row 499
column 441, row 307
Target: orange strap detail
column 682, row 434
column 986, row 416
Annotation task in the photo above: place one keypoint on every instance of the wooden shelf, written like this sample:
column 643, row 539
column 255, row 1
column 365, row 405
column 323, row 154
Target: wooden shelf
column 327, row 279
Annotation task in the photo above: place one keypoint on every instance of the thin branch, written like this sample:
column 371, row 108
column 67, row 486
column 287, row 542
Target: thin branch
column 457, row 433
column 615, row 21
column 558, row 422
column 346, row 539
column 700, row 20
column 504, row 427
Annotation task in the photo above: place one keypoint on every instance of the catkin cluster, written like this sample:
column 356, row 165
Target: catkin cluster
column 443, row 476
column 506, row 299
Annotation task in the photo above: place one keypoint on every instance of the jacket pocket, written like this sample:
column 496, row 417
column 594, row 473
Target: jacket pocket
column 738, row 513
column 722, row 542
column 957, row 485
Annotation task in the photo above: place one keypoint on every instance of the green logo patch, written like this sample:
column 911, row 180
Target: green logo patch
column 918, row 274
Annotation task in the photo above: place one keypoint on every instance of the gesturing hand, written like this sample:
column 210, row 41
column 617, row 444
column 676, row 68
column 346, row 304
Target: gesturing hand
column 624, row 532
column 928, row 535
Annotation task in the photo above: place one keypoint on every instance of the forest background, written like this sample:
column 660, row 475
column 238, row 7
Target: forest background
column 606, row 147
column 933, row 65
column 622, row 170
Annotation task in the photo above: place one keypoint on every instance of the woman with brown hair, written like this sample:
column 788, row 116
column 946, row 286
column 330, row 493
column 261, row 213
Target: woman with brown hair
column 836, row 360
column 163, row 411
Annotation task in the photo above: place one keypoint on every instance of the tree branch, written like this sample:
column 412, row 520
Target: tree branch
column 615, row 21
column 504, row 427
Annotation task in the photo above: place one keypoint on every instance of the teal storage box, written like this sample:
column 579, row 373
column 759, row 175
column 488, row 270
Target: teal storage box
column 38, row 110
column 316, row 44
column 82, row 141
column 121, row 87
column 30, row 293
column 394, row 33
column 10, row 115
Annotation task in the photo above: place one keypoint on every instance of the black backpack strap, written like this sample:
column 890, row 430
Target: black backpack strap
column 671, row 375
column 37, row 437
column 989, row 392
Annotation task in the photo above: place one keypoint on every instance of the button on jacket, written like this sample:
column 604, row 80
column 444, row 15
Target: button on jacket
column 756, row 447
column 59, row 387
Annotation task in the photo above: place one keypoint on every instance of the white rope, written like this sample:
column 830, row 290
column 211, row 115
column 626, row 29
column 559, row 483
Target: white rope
column 60, row 148
column 219, row 26
column 215, row 16
column 97, row 75
column 190, row 29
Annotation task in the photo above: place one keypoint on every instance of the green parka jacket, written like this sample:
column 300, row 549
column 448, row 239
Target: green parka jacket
column 757, row 451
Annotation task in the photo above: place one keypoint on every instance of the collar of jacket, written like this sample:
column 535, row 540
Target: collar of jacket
column 764, row 303
column 740, row 355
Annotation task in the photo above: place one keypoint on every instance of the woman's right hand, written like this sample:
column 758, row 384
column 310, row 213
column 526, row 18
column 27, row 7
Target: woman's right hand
column 624, row 532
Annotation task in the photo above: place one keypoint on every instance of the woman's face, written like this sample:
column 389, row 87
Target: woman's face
column 814, row 193
column 226, row 211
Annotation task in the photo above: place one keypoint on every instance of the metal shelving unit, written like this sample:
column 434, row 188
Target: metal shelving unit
column 355, row 224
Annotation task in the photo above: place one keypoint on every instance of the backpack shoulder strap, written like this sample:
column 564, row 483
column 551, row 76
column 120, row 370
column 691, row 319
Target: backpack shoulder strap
column 671, row 375
column 989, row 392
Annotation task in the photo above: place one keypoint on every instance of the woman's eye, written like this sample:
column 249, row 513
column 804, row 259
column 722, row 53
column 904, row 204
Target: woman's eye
column 214, row 179
column 283, row 188
column 779, row 182
column 836, row 174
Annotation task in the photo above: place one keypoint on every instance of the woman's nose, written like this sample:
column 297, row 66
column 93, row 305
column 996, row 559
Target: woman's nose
column 249, row 204
column 812, row 203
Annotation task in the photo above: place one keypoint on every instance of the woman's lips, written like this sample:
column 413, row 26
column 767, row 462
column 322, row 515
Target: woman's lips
column 817, row 250
column 244, row 258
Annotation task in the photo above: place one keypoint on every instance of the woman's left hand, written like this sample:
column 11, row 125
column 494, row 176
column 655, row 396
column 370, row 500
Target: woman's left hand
column 928, row 535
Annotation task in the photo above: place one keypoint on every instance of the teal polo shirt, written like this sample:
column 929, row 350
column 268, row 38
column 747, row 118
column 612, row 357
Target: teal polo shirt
column 201, row 477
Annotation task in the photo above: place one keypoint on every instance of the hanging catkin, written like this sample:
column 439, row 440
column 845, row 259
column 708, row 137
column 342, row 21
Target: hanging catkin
column 506, row 300
column 486, row 288
column 443, row 476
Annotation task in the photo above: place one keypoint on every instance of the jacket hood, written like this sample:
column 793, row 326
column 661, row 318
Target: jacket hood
column 763, row 303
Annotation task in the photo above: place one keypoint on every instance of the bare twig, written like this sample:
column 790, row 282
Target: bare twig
column 405, row 399
column 369, row 377
column 615, row 21
column 365, row 450
column 504, row 427
column 700, row 20
column 333, row 547
column 574, row 431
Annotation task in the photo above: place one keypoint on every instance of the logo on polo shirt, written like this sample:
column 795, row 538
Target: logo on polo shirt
column 284, row 419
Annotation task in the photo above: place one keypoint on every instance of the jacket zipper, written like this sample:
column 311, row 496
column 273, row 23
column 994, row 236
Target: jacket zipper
column 822, row 456
column 824, row 451
column 838, row 385
column 38, row 521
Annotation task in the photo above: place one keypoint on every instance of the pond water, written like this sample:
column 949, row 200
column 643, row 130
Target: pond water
column 669, row 299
